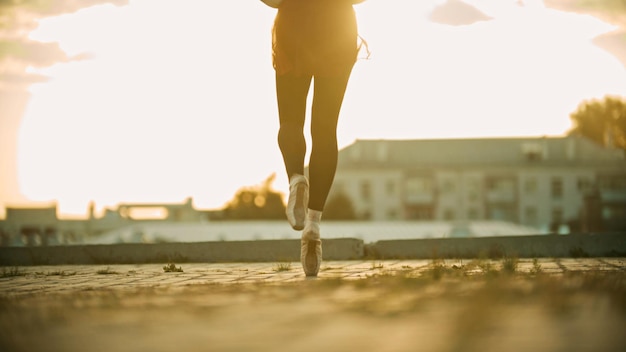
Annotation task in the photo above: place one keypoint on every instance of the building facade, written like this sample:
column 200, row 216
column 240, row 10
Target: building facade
column 34, row 226
column 539, row 182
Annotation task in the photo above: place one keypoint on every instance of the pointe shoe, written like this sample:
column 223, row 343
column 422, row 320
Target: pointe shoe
column 298, row 201
column 311, row 253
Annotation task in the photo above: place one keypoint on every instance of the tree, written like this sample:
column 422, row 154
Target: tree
column 603, row 121
column 256, row 202
column 339, row 207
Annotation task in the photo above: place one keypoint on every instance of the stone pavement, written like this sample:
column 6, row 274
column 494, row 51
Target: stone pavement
column 76, row 278
column 397, row 305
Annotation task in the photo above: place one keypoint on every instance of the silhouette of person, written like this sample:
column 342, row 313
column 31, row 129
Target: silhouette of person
column 311, row 40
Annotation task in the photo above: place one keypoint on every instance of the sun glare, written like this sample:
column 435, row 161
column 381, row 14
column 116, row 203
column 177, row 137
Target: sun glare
column 161, row 101
column 147, row 213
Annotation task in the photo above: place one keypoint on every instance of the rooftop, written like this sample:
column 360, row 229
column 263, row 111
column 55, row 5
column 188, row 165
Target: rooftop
column 544, row 151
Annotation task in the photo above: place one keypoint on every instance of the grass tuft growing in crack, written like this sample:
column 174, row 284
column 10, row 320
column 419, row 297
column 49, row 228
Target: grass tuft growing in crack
column 106, row 271
column 509, row 264
column 58, row 273
column 536, row 269
column 376, row 265
column 171, row 268
column 11, row 272
column 281, row 267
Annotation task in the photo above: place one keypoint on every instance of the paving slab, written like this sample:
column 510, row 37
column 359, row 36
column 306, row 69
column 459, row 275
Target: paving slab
column 544, row 304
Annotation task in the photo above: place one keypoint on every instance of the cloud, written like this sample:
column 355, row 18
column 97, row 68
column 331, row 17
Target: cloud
column 51, row 8
column 615, row 43
column 610, row 11
column 17, row 55
column 457, row 13
column 17, row 79
column 31, row 53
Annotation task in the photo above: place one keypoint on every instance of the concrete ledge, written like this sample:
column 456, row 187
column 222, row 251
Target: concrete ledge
column 600, row 245
column 131, row 253
column 555, row 246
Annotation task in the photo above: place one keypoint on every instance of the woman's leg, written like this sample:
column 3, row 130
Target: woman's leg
column 327, row 99
column 291, row 93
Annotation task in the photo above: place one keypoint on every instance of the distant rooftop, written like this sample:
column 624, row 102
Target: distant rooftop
column 545, row 151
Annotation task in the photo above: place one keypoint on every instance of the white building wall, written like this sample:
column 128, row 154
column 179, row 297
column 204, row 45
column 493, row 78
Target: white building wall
column 376, row 194
column 533, row 198
column 473, row 190
column 573, row 195
column 461, row 194
column 450, row 201
column 542, row 198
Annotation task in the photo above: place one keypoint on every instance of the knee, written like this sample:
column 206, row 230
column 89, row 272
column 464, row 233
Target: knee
column 324, row 132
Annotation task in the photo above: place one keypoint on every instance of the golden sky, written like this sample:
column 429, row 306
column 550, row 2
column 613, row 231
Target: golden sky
column 160, row 100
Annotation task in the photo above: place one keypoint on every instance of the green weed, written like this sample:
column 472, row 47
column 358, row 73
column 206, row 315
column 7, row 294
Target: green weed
column 106, row 271
column 486, row 267
column 509, row 264
column 437, row 268
column 280, row 267
column 11, row 272
column 171, row 268
column 376, row 265
column 536, row 269
column 60, row 273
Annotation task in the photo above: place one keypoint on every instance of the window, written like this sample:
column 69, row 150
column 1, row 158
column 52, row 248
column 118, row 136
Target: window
column 502, row 213
column 448, row 186
column 557, row 215
column 448, row 214
column 530, row 214
column 472, row 214
column 501, row 189
column 419, row 185
column 584, row 184
column 557, row 187
column 473, row 190
column 532, row 151
column 500, row 184
column 420, row 212
column 530, row 186
column 612, row 182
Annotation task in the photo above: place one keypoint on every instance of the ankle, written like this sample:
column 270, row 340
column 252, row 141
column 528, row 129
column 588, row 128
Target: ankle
column 312, row 225
column 314, row 216
column 311, row 232
column 297, row 178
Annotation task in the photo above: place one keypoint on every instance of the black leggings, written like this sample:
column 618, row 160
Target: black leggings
column 328, row 93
